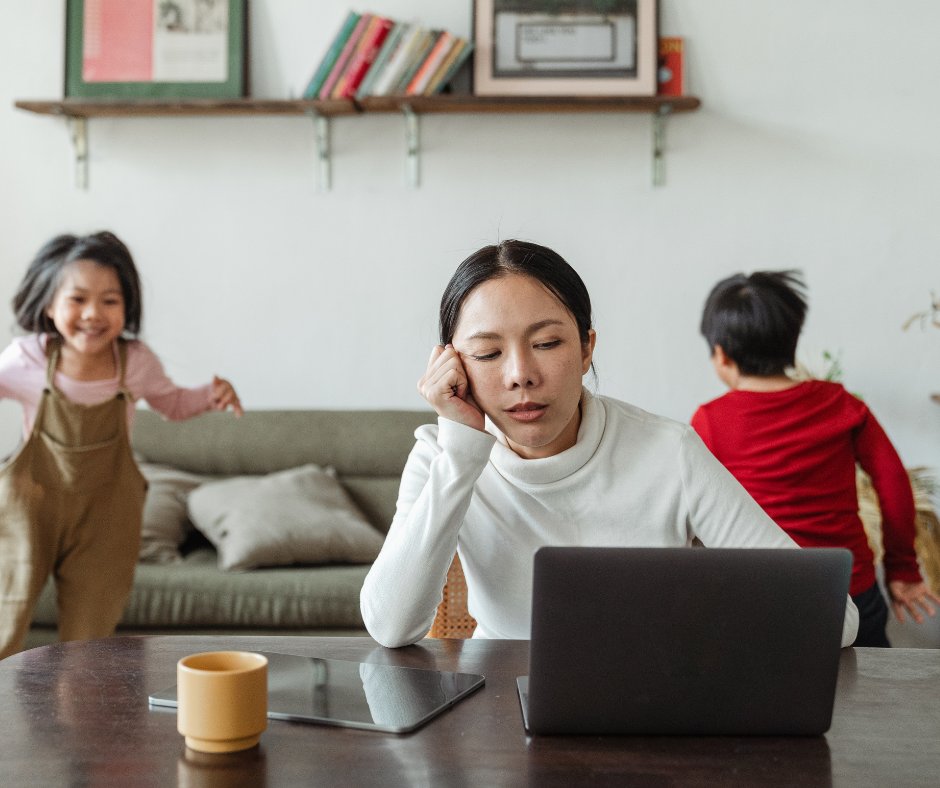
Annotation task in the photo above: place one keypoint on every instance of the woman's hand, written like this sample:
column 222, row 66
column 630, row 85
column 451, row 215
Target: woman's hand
column 910, row 596
column 446, row 386
column 224, row 396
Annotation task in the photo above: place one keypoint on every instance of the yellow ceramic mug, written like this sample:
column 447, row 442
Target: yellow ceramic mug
column 223, row 700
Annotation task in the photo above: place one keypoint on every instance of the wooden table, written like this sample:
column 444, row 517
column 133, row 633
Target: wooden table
column 77, row 715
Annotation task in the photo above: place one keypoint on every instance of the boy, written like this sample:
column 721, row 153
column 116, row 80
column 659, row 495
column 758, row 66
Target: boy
column 794, row 446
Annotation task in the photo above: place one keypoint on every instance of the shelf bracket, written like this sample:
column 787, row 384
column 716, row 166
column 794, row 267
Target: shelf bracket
column 659, row 145
column 412, row 147
column 78, row 130
column 321, row 125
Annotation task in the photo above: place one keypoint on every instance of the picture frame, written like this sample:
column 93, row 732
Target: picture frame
column 171, row 49
column 566, row 47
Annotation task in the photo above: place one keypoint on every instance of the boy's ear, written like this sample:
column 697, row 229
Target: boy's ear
column 719, row 357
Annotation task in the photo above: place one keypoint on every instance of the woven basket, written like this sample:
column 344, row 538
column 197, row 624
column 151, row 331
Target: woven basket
column 927, row 542
column 453, row 620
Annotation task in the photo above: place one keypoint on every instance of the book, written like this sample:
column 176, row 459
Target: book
column 329, row 59
column 455, row 67
column 415, row 60
column 670, row 66
column 444, row 67
column 398, row 61
column 371, row 43
column 392, row 42
column 340, row 85
column 430, row 65
column 343, row 60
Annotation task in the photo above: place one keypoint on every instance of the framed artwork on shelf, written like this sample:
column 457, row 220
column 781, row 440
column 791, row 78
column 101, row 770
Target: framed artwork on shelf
column 565, row 47
column 127, row 49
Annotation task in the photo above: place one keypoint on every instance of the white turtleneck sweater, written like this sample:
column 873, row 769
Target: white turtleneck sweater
column 632, row 480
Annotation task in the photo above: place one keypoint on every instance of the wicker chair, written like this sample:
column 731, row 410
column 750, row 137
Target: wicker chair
column 452, row 619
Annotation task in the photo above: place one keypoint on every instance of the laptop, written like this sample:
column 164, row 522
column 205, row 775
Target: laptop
column 668, row 641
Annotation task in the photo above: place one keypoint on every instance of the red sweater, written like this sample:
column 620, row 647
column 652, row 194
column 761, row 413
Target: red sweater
column 795, row 451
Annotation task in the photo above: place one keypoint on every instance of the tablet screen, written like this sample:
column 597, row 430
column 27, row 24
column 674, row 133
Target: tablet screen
column 354, row 694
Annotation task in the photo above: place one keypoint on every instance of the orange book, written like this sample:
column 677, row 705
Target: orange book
column 670, row 66
column 430, row 65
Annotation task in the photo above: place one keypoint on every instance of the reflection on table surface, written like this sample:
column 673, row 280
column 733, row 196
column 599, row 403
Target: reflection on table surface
column 246, row 769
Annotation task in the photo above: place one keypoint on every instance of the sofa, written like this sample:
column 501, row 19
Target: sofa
column 368, row 449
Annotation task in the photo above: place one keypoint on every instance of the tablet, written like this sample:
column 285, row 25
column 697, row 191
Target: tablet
column 353, row 694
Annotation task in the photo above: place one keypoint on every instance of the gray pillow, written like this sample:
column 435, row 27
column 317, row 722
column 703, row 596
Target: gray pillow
column 166, row 521
column 299, row 516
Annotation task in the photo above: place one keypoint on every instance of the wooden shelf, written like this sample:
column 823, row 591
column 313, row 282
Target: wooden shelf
column 420, row 105
column 78, row 110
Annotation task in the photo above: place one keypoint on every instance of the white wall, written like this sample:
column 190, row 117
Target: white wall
column 815, row 148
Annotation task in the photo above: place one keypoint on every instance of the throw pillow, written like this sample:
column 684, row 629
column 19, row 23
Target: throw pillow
column 299, row 516
column 166, row 521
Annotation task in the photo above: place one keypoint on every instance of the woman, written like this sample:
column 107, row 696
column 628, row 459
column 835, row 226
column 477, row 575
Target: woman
column 524, row 456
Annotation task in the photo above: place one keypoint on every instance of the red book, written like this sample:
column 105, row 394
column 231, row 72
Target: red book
column 364, row 57
column 670, row 66
column 343, row 60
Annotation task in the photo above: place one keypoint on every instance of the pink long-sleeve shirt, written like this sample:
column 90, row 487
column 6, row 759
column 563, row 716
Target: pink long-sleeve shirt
column 23, row 377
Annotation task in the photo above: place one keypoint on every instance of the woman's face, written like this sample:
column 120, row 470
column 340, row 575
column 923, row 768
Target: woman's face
column 524, row 360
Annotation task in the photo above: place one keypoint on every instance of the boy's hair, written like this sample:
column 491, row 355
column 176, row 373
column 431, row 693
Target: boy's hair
column 44, row 275
column 756, row 320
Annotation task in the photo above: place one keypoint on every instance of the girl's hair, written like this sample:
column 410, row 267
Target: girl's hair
column 516, row 257
column 757, row 320
column 44, row 276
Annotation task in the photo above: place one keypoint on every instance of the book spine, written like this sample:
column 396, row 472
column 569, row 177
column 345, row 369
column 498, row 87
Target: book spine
column 329, row 59
column 455, row 66
column 364, row 39
column 414, row 63
column 431, row 88
column 397, row 63
column 388, row 49
column 670, row 69
column 365, row 57
column 430, row 65
column 343, row 60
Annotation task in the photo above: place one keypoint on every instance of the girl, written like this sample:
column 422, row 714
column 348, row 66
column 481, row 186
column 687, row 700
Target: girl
column 524, row 456
column 71, row 498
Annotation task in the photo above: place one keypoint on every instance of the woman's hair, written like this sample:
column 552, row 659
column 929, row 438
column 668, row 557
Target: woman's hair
column 516, row 257
column 757, row 320
column 44, row 275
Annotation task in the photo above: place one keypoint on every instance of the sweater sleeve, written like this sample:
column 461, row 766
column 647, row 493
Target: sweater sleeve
column 147, row 380
column 403, row 588
column 722, row 514
column 878, row 458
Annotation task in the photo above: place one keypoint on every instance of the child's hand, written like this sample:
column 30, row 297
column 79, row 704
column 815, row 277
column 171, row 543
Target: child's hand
column 446, row 386
column 224, row 396
column 904, row 596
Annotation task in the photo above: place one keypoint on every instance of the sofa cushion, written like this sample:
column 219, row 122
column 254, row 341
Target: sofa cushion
column 195, row 593
column 166, row 521
column 299, row 516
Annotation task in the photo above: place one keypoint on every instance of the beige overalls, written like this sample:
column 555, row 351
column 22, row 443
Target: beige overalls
column 71, row 503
